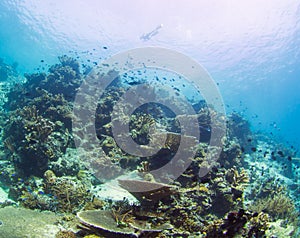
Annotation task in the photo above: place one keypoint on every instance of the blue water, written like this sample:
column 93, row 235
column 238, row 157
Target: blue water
column 250, row 49
column 251, row 52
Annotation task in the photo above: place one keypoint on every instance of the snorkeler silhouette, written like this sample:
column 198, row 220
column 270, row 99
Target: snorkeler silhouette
column 149, row 35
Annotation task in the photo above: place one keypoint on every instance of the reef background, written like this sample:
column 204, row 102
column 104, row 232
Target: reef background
column 253, row 189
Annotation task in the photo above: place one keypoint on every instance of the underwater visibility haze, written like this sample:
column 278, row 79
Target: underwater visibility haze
column 149, row 118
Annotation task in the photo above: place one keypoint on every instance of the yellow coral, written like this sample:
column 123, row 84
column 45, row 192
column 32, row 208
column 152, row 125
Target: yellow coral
column 203, row 189
column 65, row 234
column 92, row 236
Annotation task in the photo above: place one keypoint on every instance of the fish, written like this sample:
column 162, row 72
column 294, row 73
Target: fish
column 280, row 153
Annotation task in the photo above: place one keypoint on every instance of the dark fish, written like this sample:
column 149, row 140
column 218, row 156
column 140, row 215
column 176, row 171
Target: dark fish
column 253, row 149
column 280, row 153
column 133, row 83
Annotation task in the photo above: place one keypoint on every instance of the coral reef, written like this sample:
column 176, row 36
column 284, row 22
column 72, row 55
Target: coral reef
column 278, row 206
column 109, row 224
column 63, row 79
column 140, row 126
column 231, row 154
column 228, row 189
column 20, row 222
column 238, row 224
column 147, row 192
column 69, row 194
column 65, row 234
column 58, row 194
column 38, row 128
column 34, row 140
column 239, row 128
column 280, row 229
column 40, row 167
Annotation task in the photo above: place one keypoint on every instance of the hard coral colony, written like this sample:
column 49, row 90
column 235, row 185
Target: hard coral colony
column 42, row 169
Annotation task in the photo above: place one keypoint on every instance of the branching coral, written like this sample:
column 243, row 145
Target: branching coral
column 258, row 224
column 269, row 186
column 34, row 140
column 140, row 126
column 278, row 206
column 37, row 128
column 39, row 125
column 238, row 224
column 63, row 78
column 228, row 190
column 69, row 194
column 239, row 128
column 235, row 178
